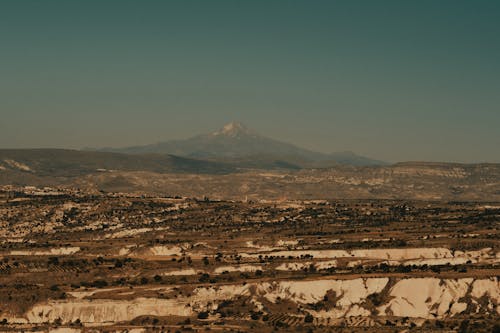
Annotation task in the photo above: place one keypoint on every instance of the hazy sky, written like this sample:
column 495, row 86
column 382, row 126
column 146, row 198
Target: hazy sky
column 394, row 80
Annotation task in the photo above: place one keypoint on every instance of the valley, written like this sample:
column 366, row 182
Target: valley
column 80, row 261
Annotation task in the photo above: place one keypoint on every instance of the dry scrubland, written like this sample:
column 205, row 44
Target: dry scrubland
column 75, row 261
column 164, row 175
column 416, row 181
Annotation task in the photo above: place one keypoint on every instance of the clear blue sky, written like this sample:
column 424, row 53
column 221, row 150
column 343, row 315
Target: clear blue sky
column 393, row 80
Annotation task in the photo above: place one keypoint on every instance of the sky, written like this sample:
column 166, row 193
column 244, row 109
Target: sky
column 393, row 80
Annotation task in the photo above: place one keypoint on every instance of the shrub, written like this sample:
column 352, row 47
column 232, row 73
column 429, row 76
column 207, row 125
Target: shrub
column 99, row 284
column 309, row 318
column 203, row 315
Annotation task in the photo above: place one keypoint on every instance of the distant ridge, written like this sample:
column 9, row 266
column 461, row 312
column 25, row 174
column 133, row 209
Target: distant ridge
column 71, row 163
column 235, row 143
column 442, row 164
column 172, row 175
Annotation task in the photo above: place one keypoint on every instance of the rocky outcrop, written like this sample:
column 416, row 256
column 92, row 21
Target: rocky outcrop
column 105, row 311
column 407, row 256
column 416, row 297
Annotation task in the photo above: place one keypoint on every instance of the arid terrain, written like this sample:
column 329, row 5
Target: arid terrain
column 84, row 261
column 242, row 233
column 168, row 175
column 250, row 166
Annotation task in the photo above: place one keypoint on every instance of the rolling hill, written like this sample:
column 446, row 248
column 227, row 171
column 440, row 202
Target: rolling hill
column 70, row 163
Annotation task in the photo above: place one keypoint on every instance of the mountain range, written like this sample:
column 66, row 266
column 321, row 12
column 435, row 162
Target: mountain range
column 238, row 145
column 237, row 163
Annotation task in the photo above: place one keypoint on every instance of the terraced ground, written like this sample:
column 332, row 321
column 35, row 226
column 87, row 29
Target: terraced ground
column 77, row 261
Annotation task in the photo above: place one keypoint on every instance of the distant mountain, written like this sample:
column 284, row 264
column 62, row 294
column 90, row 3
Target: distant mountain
column 237, row 144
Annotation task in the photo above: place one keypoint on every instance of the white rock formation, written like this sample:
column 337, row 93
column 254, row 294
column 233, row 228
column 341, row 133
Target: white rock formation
column 106, row 311
column 48, row 252
column 414, row 297
column 433, row 297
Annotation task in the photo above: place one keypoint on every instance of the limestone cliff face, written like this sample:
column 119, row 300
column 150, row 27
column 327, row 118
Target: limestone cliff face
column 416, row 297
column 105, row 311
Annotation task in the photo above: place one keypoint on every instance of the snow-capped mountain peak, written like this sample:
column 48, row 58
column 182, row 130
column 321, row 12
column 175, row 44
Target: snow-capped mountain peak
column 233, row 129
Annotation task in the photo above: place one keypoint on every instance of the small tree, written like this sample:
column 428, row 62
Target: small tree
column 203, row 315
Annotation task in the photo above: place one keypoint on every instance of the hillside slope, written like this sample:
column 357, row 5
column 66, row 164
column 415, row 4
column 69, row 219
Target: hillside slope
column 70, row 163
